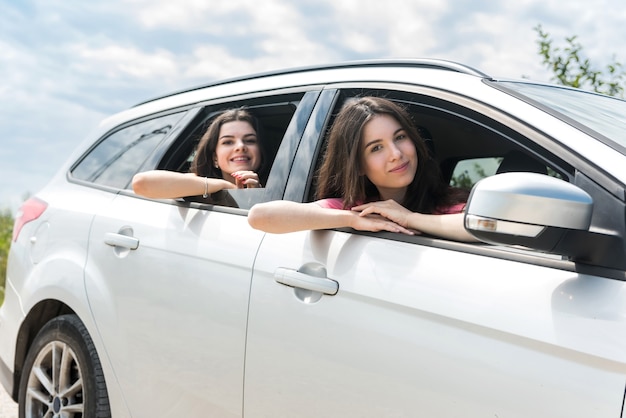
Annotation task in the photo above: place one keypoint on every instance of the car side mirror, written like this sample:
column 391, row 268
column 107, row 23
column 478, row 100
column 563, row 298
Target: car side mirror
column 527, row 209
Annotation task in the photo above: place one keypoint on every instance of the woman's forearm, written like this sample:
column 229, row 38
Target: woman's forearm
column 444, row 226
column 163, row 184
column 282, row 216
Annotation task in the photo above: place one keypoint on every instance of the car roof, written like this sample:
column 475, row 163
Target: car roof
column 441, row 74
column 437, row 64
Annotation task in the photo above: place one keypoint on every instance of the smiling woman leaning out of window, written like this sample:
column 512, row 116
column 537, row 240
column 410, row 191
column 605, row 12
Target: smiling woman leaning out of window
column 377, row 175
column 228, row 157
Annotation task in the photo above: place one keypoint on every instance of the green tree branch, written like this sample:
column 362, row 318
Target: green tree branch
column 571, row 69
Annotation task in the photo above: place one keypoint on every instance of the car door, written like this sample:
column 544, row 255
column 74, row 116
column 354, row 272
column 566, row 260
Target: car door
column 168, row 282
column 369, row 325
column 421, row 330
column 168, row 286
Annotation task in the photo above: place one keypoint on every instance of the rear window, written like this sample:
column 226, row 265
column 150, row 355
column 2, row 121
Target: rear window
column 115, row 159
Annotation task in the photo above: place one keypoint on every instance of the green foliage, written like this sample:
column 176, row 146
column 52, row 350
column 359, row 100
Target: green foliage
column 571, row 69
column 463, row 181
column 466, row 181
column 6, row 231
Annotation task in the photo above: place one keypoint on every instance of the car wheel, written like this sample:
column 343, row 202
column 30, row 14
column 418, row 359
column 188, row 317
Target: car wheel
column 62, row 374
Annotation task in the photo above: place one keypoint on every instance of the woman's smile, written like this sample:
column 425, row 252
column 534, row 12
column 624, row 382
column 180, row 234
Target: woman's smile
column 400, row 168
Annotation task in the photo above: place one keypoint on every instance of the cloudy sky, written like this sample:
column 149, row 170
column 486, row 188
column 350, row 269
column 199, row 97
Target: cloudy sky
column 67, row 64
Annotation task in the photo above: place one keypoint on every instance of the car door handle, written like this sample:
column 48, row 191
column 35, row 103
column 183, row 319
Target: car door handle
column 301, row 280
column 120, row 240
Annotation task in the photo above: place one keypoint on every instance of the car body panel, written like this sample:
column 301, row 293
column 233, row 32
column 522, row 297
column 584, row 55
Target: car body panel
column 47, row 260
column 190, row 301
column 430, row 331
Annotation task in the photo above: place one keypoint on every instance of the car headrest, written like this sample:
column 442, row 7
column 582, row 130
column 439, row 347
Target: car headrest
column 519, row 161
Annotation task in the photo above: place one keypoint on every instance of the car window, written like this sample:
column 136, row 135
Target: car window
column 118, row 156
column 468, row 172
column 467, row 145
column 278, row 123
column 273, row 119
column 169, row 142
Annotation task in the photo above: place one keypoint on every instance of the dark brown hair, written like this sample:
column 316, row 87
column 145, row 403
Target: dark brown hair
column 203, row 162
column 339, row 173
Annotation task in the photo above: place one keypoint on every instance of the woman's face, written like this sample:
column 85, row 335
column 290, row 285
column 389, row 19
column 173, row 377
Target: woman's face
column 388, row 157
column 237, row 148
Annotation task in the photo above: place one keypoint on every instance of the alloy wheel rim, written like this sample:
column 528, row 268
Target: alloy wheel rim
column 55, row 384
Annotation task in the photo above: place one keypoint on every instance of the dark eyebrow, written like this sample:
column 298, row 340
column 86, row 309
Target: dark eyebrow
column 366, row 146
column 232, row 136
column 379, row 140
column 246, row 136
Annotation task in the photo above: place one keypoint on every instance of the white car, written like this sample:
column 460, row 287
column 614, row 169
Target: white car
column 124, row 306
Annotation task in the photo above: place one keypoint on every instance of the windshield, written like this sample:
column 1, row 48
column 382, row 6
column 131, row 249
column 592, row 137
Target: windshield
column 604, row 114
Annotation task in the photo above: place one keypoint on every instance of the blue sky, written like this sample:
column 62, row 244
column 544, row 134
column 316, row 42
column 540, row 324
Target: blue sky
column 67, row 64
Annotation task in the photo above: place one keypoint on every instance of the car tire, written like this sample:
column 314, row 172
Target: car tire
column 62, row 374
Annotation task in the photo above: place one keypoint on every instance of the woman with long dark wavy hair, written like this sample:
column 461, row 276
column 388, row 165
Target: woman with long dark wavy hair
column 377, row 175
column 228, row 156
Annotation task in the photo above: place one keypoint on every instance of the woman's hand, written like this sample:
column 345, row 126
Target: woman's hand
column 449, row 226
column 374, row 222
column 246, row 179
column 389, row 209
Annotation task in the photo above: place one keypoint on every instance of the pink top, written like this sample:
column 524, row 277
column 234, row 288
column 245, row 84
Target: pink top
column 337, row 203
column 448, row 210
column 331, row 203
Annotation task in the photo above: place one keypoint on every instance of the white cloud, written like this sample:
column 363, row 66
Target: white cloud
column 223, row 18
column 497, row 46
column 118, row 61
column 214, row 62
column 387, row 28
